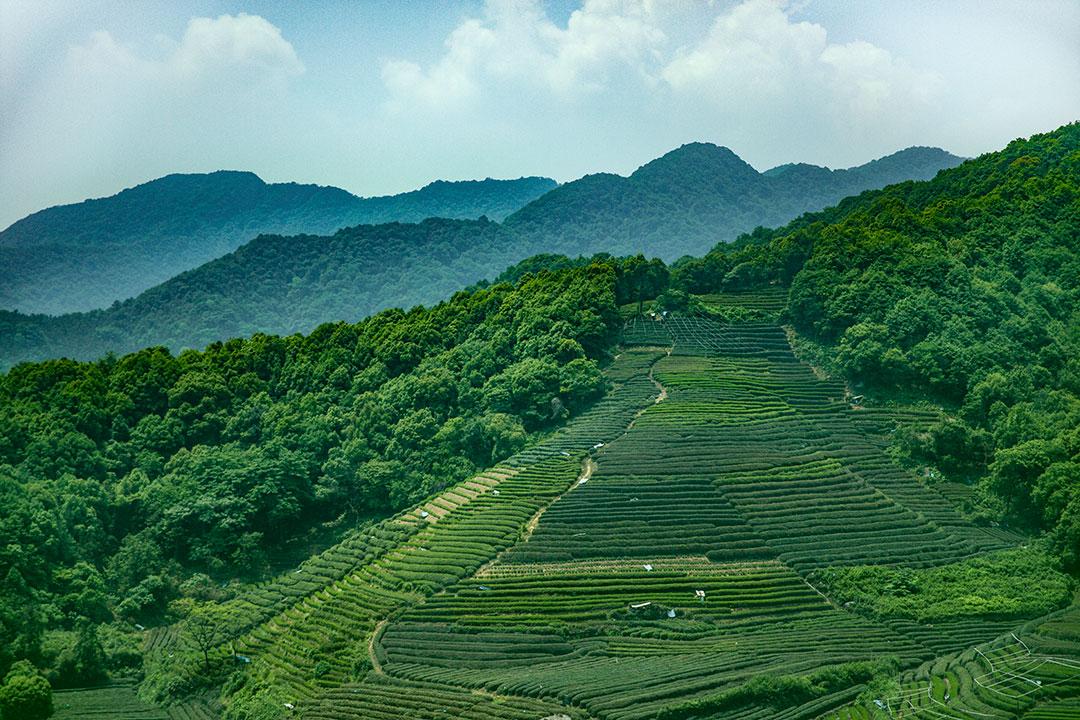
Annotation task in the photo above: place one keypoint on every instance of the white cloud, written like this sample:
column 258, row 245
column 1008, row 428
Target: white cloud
column 752, row 50
column 515, row 42
column 737, row 70
column 757, row 56
column 245, row 47
column 111, row 114
column 240, row 41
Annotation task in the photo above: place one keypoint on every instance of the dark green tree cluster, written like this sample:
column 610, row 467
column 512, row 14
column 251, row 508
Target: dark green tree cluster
column 964, row 289
column 636, row 278
column 25, row 694
column 125, row 478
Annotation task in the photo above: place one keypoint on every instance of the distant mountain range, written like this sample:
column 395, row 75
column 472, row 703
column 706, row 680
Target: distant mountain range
column 691, row 198
column 682, row 203
column 90, row 254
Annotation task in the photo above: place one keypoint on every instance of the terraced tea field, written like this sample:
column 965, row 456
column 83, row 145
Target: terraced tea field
column 656, row 558
column 1032, row 673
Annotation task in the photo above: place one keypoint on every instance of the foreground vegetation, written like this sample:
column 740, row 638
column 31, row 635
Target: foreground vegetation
column 130, row 483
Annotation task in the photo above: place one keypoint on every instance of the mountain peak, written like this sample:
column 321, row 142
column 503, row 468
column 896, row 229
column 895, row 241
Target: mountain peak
column 698, row 163
column 703, row 153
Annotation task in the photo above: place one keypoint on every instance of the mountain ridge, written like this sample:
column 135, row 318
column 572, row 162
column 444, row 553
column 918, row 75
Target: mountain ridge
column 706, row 193
column 87, row 255
column 686, row 193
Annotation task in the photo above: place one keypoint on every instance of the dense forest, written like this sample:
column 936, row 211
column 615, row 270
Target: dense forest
column 964, row 290
column 131, row 484
column 697, row 195
column 87, row 255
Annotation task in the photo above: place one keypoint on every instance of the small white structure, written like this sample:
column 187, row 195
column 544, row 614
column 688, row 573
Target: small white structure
column 648, row 567
column 424, row 513
column 290, row 706
column 640, row 605
column 671, row 613
column 700, row 595
column 495, row 492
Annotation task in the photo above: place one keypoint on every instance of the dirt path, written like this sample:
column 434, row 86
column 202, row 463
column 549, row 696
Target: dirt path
column 376, row 666
column 588, row 466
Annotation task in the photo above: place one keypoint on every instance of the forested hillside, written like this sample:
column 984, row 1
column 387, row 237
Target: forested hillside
column 278, row 285
column 700, row 194
column 535, row 523
column 136, row 486
column 694, row 196
column 90, row 254
column 964, row 290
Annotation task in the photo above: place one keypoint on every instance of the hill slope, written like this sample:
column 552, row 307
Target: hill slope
column 692, row 197
column 278, row 285
column 964, row 290
column 87, row 255
column 659, row 557
column 226, row 461
column 688, row 200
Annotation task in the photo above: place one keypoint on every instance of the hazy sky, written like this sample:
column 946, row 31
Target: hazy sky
column 380, row 97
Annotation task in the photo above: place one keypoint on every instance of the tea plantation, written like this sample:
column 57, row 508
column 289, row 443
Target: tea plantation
column 722, row 536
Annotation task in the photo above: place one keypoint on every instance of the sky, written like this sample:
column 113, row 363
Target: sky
column 380, row 97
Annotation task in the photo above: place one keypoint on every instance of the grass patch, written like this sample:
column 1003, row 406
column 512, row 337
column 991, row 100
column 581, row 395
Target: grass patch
column 1008, row 584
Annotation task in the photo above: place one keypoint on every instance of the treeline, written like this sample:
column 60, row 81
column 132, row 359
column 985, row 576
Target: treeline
column 276, row 285
column 130, row 482
column 963, row 289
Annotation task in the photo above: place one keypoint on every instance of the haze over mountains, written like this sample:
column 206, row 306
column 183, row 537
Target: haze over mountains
column 682, row 203
column 88, row 255
column 691, row 198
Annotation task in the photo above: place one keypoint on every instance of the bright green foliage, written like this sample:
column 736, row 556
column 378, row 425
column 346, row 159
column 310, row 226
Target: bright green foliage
column 1031, row 673
column 1011, row 584
column 25, row 694
column 307, row 631
column 82, row 662
column 964, row 289
column 750, row 474
column 124, row 476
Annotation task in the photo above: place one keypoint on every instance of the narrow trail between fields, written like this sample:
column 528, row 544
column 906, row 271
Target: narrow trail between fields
column 376, row 666
column 588, row 467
